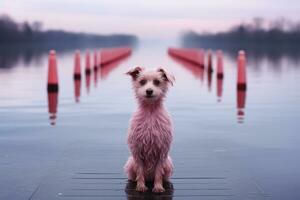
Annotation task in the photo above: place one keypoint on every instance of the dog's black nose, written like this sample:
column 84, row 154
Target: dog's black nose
column 149, row 92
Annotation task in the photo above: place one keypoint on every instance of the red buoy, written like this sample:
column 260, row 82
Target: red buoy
column 52, row 72
column 87, row 63
column 209, row 61
column 77, row 66
column 241, row 71
column 220, row 70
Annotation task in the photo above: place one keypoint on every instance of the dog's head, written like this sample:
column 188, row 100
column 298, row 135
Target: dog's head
column 150, row 85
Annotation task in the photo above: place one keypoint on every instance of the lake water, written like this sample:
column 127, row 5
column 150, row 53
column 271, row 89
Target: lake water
column 219, row 151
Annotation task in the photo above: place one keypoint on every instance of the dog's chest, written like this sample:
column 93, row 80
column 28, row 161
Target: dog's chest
column 150, row 134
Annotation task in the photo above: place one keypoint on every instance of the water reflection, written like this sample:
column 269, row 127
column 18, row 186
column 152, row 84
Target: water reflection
column 52, row 106
column 95, row 60
column 132, row 194
column 219, row 89
column 88, row 82
column 240, row 104
column 77, row 88
column 95, row 76
column 11, row 55
column 209, row 78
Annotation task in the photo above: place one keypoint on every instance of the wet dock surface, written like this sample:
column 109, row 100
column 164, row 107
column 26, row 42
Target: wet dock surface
column 95, row 172
column 218, row 152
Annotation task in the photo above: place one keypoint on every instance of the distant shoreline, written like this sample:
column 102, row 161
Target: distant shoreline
column 279, row 33
column 15, row 33
column 229, row 40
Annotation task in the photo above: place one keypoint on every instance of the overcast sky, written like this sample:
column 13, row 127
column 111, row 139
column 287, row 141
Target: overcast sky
column 147, row 19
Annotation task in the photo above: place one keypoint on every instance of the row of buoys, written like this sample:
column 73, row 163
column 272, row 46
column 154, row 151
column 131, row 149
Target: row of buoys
column 106, row 57
column 190, row 55
column 193, row 58
column 197, row 57
column 88, row 66
column 114, row 54
column 88, row 70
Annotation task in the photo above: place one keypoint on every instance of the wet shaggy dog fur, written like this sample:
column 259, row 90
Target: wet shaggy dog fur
column 150, row 131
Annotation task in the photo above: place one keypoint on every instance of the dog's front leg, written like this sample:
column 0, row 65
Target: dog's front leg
column 158, row 179
column 140, row 179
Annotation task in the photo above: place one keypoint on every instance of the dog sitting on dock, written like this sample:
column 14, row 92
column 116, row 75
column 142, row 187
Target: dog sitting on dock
column 150, row 132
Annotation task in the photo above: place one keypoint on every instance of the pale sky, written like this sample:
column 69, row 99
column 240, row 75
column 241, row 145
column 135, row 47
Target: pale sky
column 147, row 19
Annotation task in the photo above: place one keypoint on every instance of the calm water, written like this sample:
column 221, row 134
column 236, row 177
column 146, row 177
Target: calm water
column 257, row 146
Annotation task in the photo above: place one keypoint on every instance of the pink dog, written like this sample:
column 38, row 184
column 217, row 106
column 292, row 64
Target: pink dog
column 150, row 131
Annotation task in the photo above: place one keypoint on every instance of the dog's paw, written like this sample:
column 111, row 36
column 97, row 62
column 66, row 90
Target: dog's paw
column 141, row 188
column 158, row 189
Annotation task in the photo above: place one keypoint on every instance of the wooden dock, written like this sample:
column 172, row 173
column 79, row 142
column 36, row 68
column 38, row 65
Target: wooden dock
column 94, row 171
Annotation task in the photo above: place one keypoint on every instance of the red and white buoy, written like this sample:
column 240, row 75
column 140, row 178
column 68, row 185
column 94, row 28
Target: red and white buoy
column 220, row 70
column 77, row 66
column 241, row 71
column 87, row 63
column 52, row 85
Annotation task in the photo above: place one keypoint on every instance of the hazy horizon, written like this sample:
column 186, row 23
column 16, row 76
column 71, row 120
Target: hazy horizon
column 147, row 20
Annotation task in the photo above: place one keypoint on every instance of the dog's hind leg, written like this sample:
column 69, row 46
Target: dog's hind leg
column 130, row 168
column 168, row 169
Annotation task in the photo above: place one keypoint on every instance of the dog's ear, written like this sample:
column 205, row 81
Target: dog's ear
column 135, row 72
column 167, row 76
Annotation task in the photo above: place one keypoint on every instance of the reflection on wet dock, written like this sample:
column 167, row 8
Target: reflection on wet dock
column 94, row 173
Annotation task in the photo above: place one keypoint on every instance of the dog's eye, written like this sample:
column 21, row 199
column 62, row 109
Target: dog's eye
column 143, row 82
column 156, row 82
